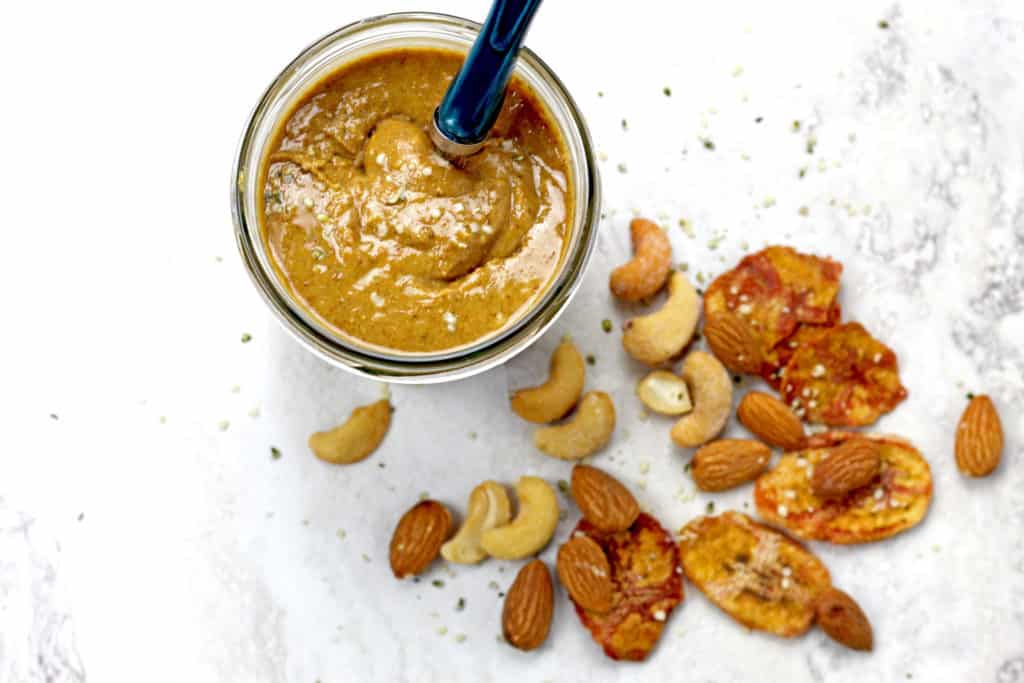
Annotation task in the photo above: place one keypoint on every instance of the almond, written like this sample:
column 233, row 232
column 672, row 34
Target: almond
column 843, row 620
column 727, row 463
column 584, row 571
column 604, row 502
column 734, row 342
column 526, row 617
column 418, row 538
column 979, row 438
column 850, row 465
column 771, row 420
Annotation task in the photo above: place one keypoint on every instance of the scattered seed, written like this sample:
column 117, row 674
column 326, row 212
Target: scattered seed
column 667, row 91
column 275, row 452
column 606, row 325
column 437, row 583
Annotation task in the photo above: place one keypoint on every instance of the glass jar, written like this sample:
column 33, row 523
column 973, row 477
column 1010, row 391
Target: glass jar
column 327, row 55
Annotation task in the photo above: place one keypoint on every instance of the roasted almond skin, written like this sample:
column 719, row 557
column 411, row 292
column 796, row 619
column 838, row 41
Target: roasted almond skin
column 771, row 420
column 418, row 538
column 979, row 438
column 727, row 463
column 851, row 465
column 529, row 606
column 734, row 342
column 842, row 619
column 604, row 502
column 585, row 572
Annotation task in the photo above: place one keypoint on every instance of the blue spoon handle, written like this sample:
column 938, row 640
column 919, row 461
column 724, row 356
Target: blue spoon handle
column 474, row 98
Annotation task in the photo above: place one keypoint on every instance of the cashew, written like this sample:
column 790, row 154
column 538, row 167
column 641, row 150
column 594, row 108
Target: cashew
column 644, row 274
column 664, row 392
column 356, row 438
column 587, row 432
column 532, row 528
column 654, row 338
column 556, row 397
column 488, row 508
column 711, row 392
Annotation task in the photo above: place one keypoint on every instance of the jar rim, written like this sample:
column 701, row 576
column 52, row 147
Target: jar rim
column 445, row 365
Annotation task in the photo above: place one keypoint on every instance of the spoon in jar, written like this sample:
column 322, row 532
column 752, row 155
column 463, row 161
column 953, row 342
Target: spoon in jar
column 474, row 98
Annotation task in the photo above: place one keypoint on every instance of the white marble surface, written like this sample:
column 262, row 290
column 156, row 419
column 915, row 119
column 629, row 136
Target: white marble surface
column 139, row 540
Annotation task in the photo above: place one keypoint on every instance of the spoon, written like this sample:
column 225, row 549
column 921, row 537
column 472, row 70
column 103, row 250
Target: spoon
column 473, row 100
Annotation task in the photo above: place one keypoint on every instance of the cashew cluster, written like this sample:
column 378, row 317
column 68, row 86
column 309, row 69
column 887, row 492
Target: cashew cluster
column 531, row 529
column 488, row 530
column 655, row 338
column 555, row 398
column 711, row 394
column 488, row 508
column 356, row 438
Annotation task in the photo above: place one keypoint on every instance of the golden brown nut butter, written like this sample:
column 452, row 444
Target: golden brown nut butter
column 386, row 241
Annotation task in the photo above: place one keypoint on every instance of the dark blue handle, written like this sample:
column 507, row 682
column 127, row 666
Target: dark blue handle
column 474, row 98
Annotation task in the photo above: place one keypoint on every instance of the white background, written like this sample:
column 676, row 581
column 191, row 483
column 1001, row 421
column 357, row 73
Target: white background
column 187, row 554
